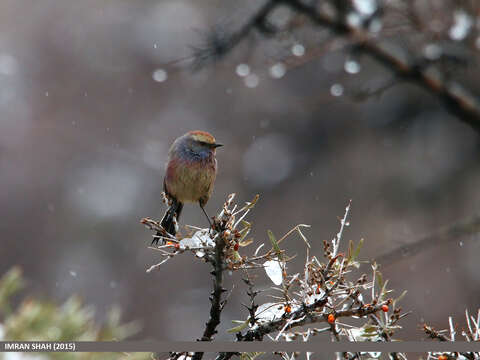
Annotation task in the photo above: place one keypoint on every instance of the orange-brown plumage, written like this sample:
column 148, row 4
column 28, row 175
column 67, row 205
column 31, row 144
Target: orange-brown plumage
column 190, row 173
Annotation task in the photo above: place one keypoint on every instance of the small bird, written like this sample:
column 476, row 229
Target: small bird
column 190, row 174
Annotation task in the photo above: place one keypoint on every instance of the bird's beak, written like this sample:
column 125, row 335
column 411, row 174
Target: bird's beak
column 216, row 145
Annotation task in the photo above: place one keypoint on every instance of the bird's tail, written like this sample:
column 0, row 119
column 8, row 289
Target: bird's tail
column 173, row 211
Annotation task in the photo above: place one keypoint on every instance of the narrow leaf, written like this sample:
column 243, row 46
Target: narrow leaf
column 275, row 246
column 243, row 325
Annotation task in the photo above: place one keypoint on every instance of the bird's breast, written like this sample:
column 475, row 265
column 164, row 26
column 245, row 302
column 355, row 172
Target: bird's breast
column 190, row 180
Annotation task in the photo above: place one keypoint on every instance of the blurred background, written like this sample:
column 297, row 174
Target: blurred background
column 91, row 99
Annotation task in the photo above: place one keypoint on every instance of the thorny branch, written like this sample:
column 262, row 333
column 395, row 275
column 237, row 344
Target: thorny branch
column 323, row 293
column 456, row 99
column 326, row 296
column 307, row 315
column 470, row 333
column 215, row 297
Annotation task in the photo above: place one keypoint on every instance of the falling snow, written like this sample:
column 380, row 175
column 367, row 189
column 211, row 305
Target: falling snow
column 242, row 70
column 159, row 75
column 336, row 90
column 365, row 7
column 462, row 22
column 278, row 70
column 432, row 51
column 251, row 81
column 352, row 67
column 298, row 50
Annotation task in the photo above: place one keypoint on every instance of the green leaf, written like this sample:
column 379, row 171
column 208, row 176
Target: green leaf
column 236, row 329
column 379, row 279
column 357, row 250
column 399, row 298
column 245, row 230
column 245, row 242
column 254, row 201
column 350, row 252
column 275, row 246
column 370, row 329
column 383, row 291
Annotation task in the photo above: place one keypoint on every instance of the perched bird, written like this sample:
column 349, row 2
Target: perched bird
column 190, row 174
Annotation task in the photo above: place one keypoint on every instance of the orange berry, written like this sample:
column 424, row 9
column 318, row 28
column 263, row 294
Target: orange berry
column 288, row 309
column 443, row 357
column 235, row 247
column 331, row 319
column 385, row 308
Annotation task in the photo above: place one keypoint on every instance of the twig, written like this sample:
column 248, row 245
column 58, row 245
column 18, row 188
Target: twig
column 312, row 317
column 218, row 45
column 456, row 99
column 215, row 298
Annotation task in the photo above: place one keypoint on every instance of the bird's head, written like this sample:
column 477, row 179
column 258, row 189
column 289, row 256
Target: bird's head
column 200, row 142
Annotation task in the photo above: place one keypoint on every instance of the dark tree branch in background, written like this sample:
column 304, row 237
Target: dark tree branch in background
column 456, row 99
column 462, row 229
column 218, row 43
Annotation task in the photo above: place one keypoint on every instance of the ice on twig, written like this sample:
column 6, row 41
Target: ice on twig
column 200, row 240
column 258, row 249
column 274, row 271
column 287, row 324
column 336, row 240
column 156, row 266
column 269, row 312
column 317, row 295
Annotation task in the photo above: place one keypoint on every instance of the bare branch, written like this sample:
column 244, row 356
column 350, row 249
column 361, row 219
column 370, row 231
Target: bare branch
column 450, row 233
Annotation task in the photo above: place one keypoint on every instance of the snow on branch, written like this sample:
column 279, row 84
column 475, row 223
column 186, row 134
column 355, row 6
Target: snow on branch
column 327, row 297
